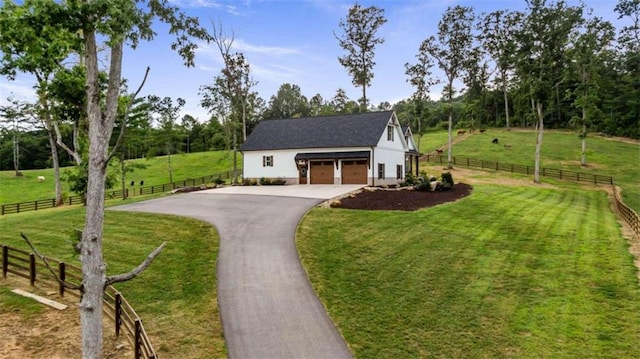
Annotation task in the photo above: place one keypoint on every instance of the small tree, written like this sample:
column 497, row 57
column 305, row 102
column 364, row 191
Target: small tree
column 359, row 41
column 167, row 116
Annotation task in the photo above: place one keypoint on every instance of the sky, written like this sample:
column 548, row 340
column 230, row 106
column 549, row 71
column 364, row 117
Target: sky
column 292, row 41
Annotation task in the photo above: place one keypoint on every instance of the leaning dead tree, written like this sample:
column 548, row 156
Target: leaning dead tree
column 118, row 278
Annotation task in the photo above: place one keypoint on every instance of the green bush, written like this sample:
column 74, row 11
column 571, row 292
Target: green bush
column 447, row 178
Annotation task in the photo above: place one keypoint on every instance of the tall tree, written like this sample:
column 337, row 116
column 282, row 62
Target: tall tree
column 41, row 28
column 288, row 102
column 629, row 47
column 237, row 83
column 34, row 39
column 420, row 77
column 498, row 31
column 359, row 41
column 450, row 50
column 543, row 41
column 586, row 57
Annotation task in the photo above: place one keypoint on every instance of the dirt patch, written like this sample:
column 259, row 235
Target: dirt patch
column 401, row 199
column 52, row 333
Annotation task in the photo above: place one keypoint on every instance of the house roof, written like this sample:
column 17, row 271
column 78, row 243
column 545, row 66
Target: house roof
column 352, row 130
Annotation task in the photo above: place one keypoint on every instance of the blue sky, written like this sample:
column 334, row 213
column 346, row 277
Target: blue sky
column 292, row 41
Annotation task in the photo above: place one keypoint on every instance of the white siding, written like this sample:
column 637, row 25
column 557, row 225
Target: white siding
column 391, row 153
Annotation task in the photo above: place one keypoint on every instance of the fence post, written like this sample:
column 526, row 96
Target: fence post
column 137, row 345
column 5, row 260
column 18, row 208
column 36, row 206
column 3, row 209
column 118, row 313
column 32, row 268
column 63, row 276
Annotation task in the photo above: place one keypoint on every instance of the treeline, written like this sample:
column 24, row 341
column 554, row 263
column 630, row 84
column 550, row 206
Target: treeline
column 582, row 71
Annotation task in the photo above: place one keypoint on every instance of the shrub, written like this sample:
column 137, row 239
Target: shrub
column 265, row 181
column 218, row 181
column 422, row 185
column 447, row 178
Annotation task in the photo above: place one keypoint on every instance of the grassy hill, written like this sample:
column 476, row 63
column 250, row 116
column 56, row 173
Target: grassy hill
column 193, row 165
column 605, row 156
column 514, row 270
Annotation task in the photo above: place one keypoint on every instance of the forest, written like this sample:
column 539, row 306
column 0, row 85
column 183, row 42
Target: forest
column 498, row 66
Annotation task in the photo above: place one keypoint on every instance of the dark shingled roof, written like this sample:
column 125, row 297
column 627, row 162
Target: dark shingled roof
column 353, row 130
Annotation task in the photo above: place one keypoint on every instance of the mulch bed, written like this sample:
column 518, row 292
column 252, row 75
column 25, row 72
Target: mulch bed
column 402, row 200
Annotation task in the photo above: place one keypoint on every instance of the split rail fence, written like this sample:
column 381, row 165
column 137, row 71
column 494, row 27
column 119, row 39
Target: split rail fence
column 51, row 202
column 24, row 264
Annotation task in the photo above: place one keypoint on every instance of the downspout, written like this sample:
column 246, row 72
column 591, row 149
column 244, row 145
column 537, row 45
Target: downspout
column 373, row 160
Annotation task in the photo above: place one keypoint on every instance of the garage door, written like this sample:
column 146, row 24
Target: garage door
column 321, row 172
column 354, row 172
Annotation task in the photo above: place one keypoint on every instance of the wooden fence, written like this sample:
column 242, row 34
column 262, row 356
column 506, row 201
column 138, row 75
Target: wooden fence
column 629, row 215
column 522, row 169
column 116, row 307
column 50, row 203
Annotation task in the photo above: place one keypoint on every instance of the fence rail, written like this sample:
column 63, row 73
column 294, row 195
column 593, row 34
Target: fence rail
column 522, row 169
column 629, row 215
column 126, row 320
column 51, row 202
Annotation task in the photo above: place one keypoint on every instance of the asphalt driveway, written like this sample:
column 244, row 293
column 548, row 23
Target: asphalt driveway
column 268, row 307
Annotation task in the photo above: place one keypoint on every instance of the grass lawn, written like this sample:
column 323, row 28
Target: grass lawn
column 193, row 165
column 525, row 272
column 560, row 149
column 175, row 296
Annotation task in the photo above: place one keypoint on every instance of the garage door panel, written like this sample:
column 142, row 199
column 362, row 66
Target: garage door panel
column 354, row 172
column 322, row 172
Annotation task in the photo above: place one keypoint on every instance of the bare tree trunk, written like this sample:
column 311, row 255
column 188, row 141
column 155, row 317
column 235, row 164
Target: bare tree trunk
column 536, row 173
column 16, row 152
column 450, row 141
column 244, row 119
column 506, row 98
column 45, row 117
column 100, row 129
column 235, row 156
column 583, row 157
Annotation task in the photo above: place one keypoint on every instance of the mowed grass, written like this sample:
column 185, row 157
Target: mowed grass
column 175, row 296
column 507, row 272
column 193, row 165
column 560, row 150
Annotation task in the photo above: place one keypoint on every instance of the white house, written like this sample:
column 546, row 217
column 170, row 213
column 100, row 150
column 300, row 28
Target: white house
column 364, row 148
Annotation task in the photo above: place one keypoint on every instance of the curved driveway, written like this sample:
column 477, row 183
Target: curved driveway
column 268, row 307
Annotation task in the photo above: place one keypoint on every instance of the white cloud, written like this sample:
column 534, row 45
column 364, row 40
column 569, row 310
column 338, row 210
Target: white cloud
column 241, row 45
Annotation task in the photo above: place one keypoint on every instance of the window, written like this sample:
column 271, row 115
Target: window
column 399, row 171
column 390, row 131
column 267, row 161
column 380, row 170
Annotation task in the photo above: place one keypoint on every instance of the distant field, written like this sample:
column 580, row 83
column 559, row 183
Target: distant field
column 28, row 188
column 511, row 271
column 559, row 150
